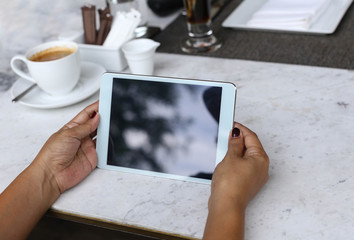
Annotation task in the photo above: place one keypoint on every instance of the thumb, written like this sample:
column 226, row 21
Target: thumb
column 236, row 143
column 83, row 130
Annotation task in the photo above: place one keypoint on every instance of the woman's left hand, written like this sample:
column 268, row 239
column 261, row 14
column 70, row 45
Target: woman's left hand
column 69, row 155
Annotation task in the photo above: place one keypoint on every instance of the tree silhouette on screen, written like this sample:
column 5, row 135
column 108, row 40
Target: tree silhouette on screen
column 131, row 112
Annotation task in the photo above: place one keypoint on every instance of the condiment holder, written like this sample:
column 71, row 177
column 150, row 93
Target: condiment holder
column 111, row 59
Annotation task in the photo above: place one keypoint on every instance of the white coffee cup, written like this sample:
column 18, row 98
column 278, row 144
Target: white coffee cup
column 56, row 77
column 140, row 55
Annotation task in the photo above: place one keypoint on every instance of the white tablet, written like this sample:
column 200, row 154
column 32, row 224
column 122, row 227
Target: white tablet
column 168, row 127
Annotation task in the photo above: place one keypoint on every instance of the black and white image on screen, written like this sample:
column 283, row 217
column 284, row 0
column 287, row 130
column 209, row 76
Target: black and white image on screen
column 164, row 127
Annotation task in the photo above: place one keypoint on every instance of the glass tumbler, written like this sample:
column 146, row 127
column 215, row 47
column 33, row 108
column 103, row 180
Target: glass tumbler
column 200, row 36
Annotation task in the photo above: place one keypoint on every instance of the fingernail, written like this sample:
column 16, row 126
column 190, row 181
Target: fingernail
column 93, row 114
column 235, row 132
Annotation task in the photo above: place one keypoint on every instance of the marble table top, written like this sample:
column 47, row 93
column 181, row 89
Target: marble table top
column 303, row 115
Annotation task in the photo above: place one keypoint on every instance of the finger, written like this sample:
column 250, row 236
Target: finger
column 252, row 143
column 86, row 114
column 84, row 130
column 89, row 149
column 236, row 142
column 83, row 116
column 93, row 134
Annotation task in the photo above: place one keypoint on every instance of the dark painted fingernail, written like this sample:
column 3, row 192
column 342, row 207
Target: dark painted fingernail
column 93, row 114
column 235, row 132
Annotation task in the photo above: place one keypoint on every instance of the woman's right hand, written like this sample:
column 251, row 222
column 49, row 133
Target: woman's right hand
column 243, row 171
column 236, row 180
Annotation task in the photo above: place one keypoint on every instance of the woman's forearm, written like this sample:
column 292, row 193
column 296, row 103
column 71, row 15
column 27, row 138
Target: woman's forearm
column 225, row 221
column 25, row 201
column 67, row 157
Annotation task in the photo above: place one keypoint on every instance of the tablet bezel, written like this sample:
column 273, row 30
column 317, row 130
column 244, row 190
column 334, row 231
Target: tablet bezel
column 227, row 108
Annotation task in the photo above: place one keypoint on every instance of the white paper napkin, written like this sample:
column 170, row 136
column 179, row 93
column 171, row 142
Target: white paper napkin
column 288, row 14
column 123, row 27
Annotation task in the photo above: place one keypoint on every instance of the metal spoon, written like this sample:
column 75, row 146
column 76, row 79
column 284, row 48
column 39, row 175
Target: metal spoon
column 18, row 97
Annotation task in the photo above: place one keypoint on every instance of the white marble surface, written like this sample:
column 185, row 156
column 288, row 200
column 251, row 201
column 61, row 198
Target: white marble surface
column 303, row 115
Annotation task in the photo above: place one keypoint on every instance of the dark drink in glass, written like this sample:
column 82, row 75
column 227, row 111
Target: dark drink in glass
column 197, row 11
column 200, row 36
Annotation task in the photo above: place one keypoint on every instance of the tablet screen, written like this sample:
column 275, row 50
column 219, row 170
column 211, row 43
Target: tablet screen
column 164, row 127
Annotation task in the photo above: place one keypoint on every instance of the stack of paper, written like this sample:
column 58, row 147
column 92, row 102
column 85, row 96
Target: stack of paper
column 288, row 14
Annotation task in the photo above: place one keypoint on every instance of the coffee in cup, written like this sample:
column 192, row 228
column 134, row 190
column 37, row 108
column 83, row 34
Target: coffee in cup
column 53, row 53
column 54, row 66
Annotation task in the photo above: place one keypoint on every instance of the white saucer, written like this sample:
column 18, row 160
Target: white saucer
column 88, row 84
